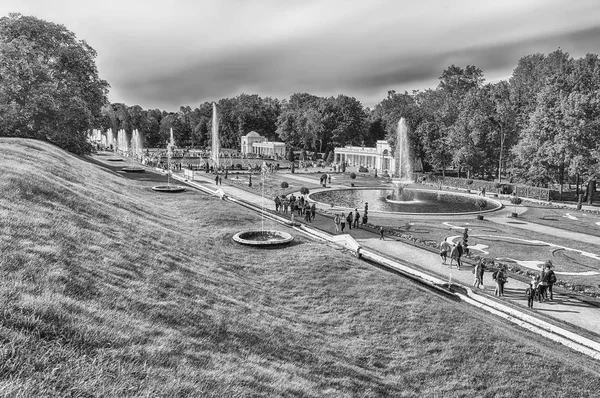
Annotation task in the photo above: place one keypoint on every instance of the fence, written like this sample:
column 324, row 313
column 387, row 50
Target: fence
column 489, row 186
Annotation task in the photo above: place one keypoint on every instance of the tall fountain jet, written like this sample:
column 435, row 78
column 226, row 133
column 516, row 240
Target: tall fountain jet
column 404, row 161
column 215, row 137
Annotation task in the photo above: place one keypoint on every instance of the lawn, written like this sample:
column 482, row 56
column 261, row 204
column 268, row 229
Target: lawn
column 109, row 289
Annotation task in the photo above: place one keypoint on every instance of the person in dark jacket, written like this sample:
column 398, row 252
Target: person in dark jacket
column 349, row 219
column 551, row 278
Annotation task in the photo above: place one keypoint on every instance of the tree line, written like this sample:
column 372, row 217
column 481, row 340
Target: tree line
column 541, row 126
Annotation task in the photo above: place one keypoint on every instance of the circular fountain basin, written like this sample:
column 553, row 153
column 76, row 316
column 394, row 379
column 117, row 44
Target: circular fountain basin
column 169, row 188
column 133, row 169
column 408, row 201
column 262, row 238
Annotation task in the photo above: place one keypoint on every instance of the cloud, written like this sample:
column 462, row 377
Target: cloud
column 183, row 52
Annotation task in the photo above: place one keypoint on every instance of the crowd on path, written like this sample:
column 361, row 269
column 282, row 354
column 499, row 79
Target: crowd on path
column 289, row 204
column 539, row 287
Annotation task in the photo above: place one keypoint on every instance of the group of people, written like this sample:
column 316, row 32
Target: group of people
column 499, row 276
column 299, row 206
column 353, row 219
column 455, row 252
column 541, row 284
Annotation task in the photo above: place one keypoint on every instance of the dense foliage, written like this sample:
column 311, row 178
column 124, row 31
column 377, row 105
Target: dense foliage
column 49, row 84
column 538, row 127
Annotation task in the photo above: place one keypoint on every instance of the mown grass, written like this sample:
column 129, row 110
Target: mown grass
column 108, row 289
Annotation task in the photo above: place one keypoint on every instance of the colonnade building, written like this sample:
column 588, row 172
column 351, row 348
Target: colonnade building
column 380, row 157
column 259, row 145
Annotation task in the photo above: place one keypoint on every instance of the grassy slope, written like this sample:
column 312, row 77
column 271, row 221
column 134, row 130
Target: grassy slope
column 109, row 289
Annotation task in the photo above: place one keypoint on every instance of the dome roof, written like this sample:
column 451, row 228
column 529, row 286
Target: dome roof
column 253, row 134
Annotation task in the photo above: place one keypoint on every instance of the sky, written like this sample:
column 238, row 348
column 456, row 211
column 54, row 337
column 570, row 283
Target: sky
column 165, row 54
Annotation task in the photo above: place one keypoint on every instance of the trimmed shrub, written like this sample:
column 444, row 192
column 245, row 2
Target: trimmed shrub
column 480, row 203
column 353, row 175
column 284, row 184
column 304, row 191
column 362, row 169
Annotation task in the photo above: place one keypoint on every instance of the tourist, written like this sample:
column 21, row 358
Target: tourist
column 500, row 277
column 544, row 281
column 454, row 256
column 531, row 291
column 307, row 214
column 478, row 272
column 551, row 278
column 277, row 203
column 336, row 223
column 292, row 219
column 313, row 210
column 349, row 219
column 356, row 218
column 445, row 250
column 307, row 211
column 381, row 233
column 286, row 205
column 342, row 222
column 329, row 178
column 460, row 250
column 217, row 180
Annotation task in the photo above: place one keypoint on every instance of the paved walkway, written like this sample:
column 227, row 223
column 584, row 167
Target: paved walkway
column 566, row 307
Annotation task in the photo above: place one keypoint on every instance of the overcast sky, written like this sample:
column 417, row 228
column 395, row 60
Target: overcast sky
column 163, row 54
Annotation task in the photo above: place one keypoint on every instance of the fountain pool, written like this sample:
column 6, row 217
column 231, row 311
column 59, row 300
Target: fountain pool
column 406, row 201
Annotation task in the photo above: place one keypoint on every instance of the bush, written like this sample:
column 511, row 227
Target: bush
column 515, row 200
column 362, row 169
column 469, row 182
column 284, row 184
column 480, row 203
column 304, row 191
column 353, row 175
column 238, row 166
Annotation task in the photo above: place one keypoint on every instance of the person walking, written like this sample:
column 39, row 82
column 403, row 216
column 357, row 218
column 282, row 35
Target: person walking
column 478, row 272
column 501, row 279
column 349, row 219
column 313, row 211
column 460, row 250
column 551, row 278
column 445, row 250
column 342, row 222
column 356, row 218
column 530, row 291
column 381, row 233
column 544, row 280
column 336, row 222
column 454, row 256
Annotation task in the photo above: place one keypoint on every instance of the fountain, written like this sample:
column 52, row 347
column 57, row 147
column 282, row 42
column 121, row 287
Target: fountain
column 135, row 151
column 404, row 159
column 405, row 200
column 263, row 237
column 216, row 147
column 169, row 188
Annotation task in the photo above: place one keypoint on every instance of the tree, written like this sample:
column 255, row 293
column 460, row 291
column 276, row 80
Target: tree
column 49, row 85
column 291, row 156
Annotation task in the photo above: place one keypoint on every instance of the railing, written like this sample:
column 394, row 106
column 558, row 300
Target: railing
column 489, row 186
